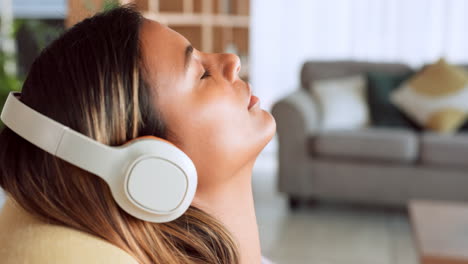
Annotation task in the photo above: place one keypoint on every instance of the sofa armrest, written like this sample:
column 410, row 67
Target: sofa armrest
column 297, row 119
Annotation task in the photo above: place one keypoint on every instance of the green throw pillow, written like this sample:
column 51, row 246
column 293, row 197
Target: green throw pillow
column 464, row 128
column 382, row 111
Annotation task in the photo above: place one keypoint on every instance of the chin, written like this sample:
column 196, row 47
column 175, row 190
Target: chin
column 271, row 128
column 268, row 132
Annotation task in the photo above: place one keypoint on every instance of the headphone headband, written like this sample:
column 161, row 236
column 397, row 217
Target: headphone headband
column 57, row 139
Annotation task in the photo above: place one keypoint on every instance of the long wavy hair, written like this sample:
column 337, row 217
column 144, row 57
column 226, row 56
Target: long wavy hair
column 92, row 79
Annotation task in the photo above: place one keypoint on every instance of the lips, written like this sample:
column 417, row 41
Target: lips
column 253, row 101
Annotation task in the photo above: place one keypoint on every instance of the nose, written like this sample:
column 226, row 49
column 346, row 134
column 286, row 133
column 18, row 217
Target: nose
column 232, row 66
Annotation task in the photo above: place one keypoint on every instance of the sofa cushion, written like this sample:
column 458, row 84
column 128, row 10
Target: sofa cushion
column 382, row 112
column 373, row 144
column 342, row 102
column 436, row 97
column 444, row 150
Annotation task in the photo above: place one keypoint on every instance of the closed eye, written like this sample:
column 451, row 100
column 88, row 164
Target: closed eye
column 206, row 74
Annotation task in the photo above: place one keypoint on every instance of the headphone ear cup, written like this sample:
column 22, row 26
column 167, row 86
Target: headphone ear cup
column 157, row 185
column 160, row 182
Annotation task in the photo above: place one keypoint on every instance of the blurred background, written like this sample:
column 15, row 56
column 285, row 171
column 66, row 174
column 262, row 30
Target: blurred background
column 370, row 99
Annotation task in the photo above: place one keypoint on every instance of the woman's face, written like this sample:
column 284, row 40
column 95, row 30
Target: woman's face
column 204, row 104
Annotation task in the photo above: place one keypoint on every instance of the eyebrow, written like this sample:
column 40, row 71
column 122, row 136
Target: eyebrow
column 188, row 56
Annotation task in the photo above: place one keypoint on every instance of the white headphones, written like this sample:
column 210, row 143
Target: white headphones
column 150, row 178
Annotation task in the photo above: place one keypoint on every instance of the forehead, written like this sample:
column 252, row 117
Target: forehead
column 163, row 49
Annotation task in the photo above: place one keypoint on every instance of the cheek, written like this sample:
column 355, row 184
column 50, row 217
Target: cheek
column 217, row 136
column 222, row 125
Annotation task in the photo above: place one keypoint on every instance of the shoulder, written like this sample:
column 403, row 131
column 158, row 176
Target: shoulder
column 25, row 241
column 53, row 244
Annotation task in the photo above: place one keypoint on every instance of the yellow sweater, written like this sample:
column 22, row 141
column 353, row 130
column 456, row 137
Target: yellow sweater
column 24, row 239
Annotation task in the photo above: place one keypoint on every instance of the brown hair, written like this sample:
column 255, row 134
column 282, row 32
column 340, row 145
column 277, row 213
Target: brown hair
column 92, row 80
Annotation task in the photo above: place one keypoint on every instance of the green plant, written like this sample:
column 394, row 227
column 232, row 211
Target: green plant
column 42, row 34
column 8, row 81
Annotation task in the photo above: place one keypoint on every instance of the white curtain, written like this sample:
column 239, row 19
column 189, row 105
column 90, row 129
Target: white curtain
column 285, row 33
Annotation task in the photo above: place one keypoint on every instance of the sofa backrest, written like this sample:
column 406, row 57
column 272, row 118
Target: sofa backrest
column 319, row 70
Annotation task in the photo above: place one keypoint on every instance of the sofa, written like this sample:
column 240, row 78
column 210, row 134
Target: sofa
column 383, row 166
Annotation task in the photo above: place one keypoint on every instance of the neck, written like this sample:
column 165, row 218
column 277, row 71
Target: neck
column 233, row 205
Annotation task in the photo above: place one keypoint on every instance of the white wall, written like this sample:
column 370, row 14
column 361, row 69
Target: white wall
column 265, row 61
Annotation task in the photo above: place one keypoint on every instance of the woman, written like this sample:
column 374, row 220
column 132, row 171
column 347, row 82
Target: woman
column 115, row 77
